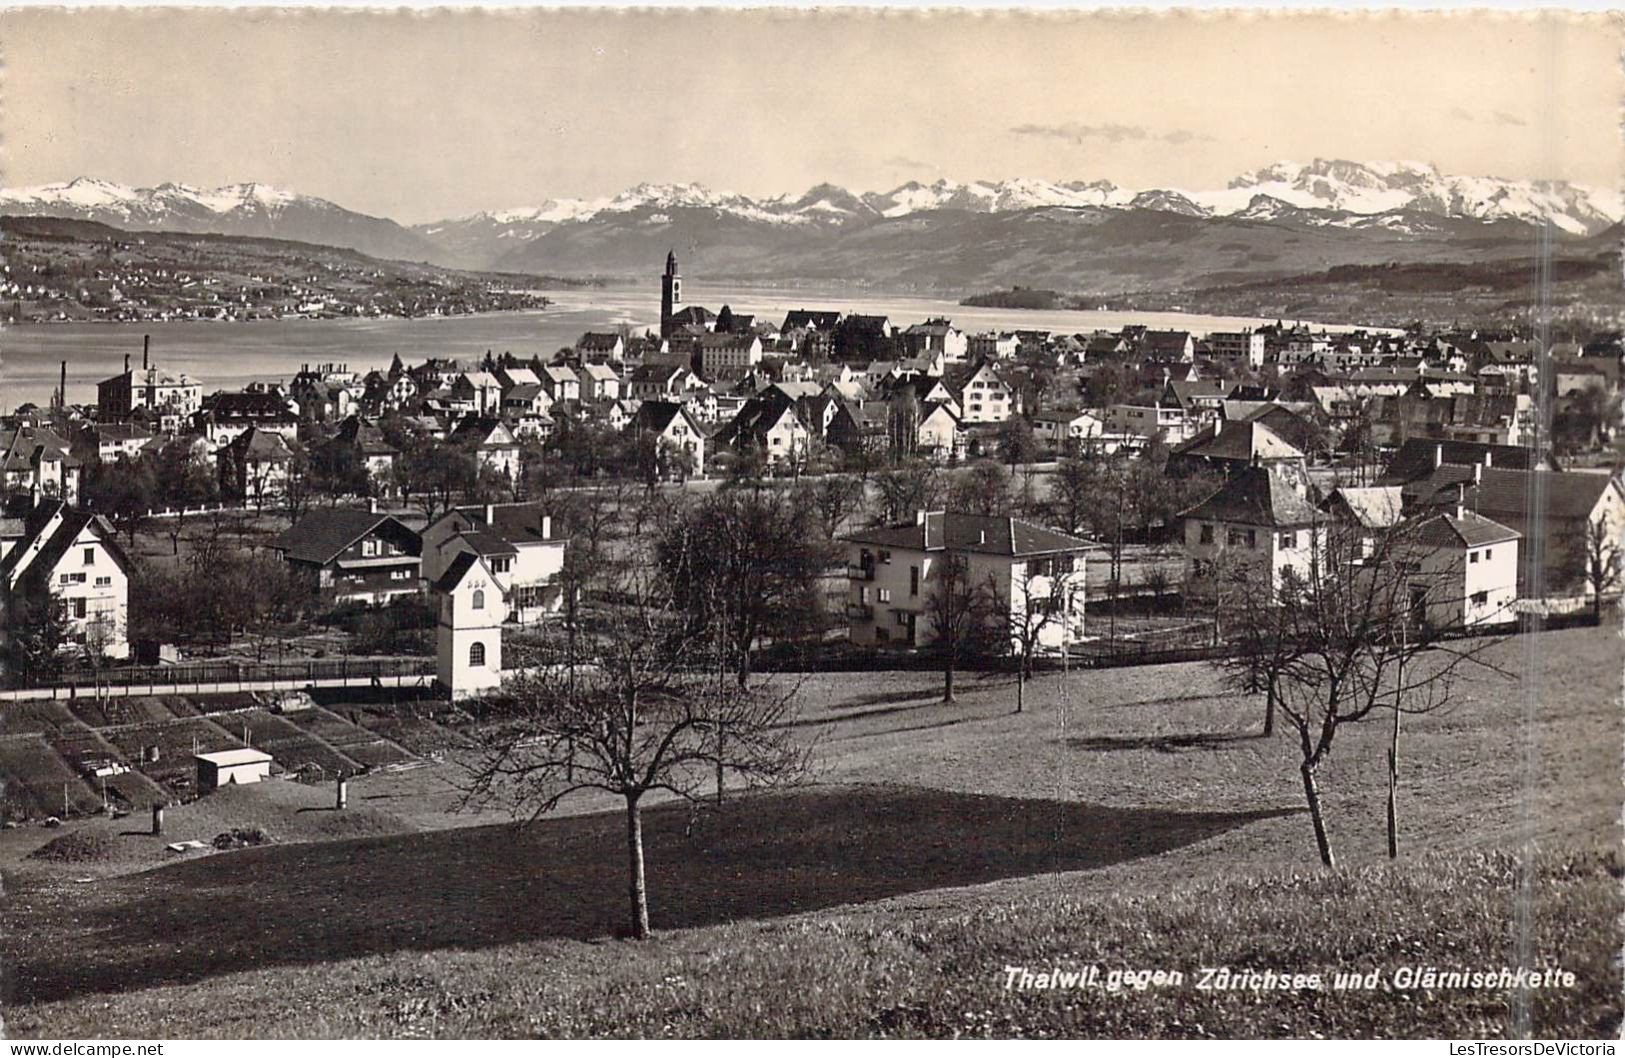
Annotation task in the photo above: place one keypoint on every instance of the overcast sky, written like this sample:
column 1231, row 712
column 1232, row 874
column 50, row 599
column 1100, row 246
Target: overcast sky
column 418, row 117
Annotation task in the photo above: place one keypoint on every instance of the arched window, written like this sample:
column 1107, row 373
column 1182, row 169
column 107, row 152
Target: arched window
column 479, row 599
column 476, row 654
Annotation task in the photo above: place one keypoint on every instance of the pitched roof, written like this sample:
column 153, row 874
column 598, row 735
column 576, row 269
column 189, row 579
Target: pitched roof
column 37, row 564
column 1464, row 529
column 456, row 570
column 1415, row 457
column 952, row 531
column 1242, row 441
column 321, row 536
column 1371, row 506
column 1508, row 495
column 1274, row 496
column 517, row 523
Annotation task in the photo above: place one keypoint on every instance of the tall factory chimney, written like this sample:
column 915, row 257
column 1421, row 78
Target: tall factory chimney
column 146, row 347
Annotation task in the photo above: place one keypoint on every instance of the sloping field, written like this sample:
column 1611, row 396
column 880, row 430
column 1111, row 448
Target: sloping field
column 36, row 782
column 292, row 747
column 357, row 743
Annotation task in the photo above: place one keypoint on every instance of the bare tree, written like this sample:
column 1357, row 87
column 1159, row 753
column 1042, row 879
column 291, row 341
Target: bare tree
column 1351, row 637
column 1604, row 564
column 630, row 707
column 1043, row 590
column 959, row 609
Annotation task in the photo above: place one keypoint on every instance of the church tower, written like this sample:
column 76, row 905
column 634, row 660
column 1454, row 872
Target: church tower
column 671, row 294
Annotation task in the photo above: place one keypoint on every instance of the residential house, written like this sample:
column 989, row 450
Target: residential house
column 1159, row 418
column 492, row 443
column 936, row 336
column 353, row 555
column 1231, row 446
column 255, row 466
column 62, row 556
column 1058, row 426
column 1261, row 522
column 723, row 355
column 225, row 416
column 365, row 443
column 476, row 393
column 771, row 424
column 987, row 398
column 599, row 382
column 894, row 572
column 1168, row 347
column 106, row 442
column 1241, row 350
column 561, row 383
column 517, row 543
column 1545, row 507
column 600, row 346
column 672, row 423
column 991, row 345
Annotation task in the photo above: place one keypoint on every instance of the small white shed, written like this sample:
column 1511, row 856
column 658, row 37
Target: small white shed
column 231, row 767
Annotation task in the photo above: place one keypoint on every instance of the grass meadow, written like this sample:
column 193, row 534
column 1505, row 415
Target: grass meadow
column 1129, row 818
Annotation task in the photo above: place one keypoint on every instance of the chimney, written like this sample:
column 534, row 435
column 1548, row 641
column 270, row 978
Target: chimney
column 490, row 513
column 1438, row 456
column 1478, row 473
column 63, row 388
column 146, row 348
column 1489, row 459
column 372, row 504
column 126, row 363
column 547, row 527
column 981, row 536
column 919, row 517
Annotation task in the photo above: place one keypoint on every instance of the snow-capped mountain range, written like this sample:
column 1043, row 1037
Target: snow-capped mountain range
column 252, row 210
column 1398, row 197
column 1351, row 187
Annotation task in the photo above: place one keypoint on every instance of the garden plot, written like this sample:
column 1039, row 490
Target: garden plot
column 80, row 745
column 177, row 741
column 36, row 782
column 112, row 712
column 34, row 718
column 416, row 734
column 358, row 743
column 292, row 747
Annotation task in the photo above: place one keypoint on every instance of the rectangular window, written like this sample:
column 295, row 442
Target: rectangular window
column 902, row 618
column 1472, row 556
column 1480, row 598
column 78, row 607
column 104, row 582
column 885, row 556
column 1289, row 541
column 883, row 594
column 1061, row 564
column 1207, row 533
column 1235, row 537
column 914, row 580
column 369, row 548
column 1037, row 567
column 1252, row 539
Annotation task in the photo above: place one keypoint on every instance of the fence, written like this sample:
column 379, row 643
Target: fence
column 225, row 674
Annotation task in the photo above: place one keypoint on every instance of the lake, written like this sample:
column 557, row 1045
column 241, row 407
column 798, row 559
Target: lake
column 230, row 355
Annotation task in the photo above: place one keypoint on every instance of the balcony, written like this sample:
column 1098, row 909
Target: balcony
column 859, row 611
column 860, row 573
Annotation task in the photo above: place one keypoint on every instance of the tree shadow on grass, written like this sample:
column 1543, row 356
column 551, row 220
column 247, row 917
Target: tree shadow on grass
column 757, row 856
column 1163, row 743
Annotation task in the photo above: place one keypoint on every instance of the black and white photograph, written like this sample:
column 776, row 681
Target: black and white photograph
column 811, row 523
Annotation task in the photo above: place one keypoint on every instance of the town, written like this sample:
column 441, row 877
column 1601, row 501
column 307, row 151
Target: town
column 354, row 577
